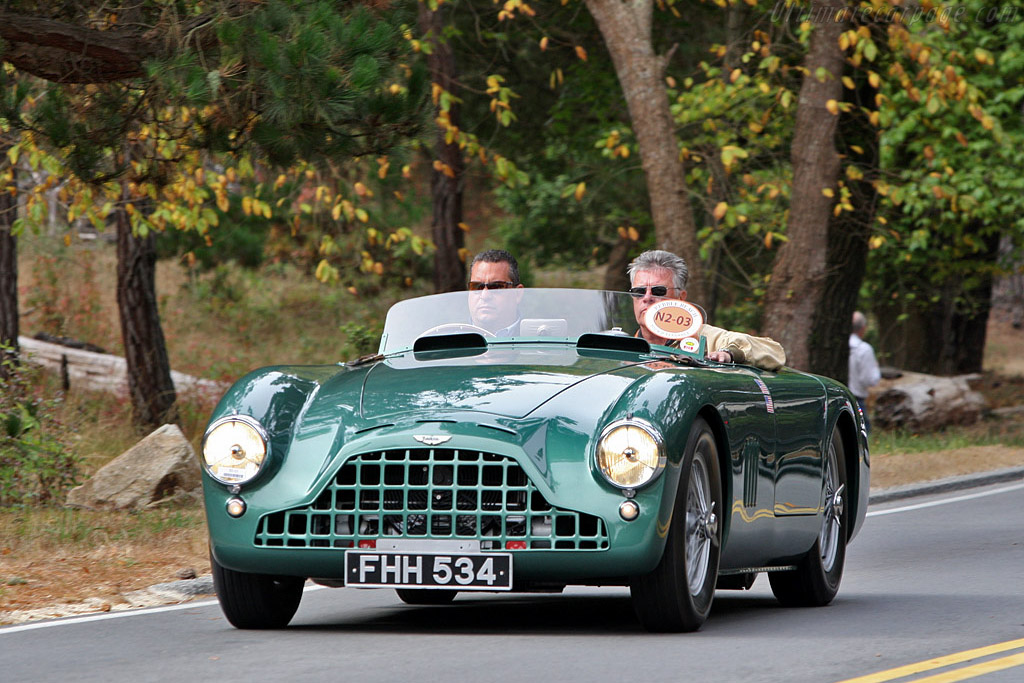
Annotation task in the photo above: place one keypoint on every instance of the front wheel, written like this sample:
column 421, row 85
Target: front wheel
column 815, row 581
column 256, row 601
column 676, row 595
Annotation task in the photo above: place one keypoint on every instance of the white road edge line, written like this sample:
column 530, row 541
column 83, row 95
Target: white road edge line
column 102, row 616
column 945, row 501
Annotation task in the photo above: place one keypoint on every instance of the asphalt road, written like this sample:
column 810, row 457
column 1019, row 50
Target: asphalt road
column 929, row 582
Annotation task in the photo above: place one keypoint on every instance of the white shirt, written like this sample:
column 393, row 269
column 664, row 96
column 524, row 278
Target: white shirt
column 864, row 372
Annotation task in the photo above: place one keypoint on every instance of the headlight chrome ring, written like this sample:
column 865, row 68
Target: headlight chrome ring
column 235, row 449
column 630, row 453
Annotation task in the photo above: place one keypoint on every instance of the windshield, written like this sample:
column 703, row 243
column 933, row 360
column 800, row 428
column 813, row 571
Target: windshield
column 509, row 313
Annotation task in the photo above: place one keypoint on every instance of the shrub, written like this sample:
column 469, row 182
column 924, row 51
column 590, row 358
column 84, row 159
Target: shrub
column 36, row 465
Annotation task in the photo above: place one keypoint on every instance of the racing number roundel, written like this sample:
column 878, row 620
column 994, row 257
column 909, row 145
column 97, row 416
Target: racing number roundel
column 674, row 319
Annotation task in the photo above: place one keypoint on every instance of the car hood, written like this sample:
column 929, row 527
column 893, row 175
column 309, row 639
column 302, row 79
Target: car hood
column 510, row 382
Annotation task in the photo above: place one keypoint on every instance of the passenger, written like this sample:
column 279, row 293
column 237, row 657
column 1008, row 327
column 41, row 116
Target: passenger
column 658, row 275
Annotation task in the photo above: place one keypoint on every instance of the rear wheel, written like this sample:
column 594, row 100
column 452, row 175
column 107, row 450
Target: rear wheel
column 423, row 596
column 815, row 582
column 256, row 601
column 677, row 594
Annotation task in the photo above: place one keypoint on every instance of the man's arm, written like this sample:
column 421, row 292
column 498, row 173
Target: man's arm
column 761, row 352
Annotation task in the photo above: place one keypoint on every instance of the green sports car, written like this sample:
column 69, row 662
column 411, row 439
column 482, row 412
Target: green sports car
column 545, row 448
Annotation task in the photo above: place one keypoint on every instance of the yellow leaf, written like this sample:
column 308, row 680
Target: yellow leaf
column 463, row 254
column 874, row 79
column 361, row 189
column 378, row 268
column 247, row 205
column 736, row 73
column 581, row 189
column 848, row 82
column 544, row 43
column 720, row 210
column 67, row 239
column 336, row 212
column 622, row 232
column 581, row 53
column 362, row 215
column 828, row 192
column 353, row 290
column 832, row 106
column 768, row 239
column 633, row 233
column 464, row 227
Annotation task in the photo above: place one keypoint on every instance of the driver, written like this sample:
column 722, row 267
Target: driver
column 490, row 307
column 657, row 275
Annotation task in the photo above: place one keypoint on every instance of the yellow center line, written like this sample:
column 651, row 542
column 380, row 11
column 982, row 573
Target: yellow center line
column 947, row 660
column 975, row 670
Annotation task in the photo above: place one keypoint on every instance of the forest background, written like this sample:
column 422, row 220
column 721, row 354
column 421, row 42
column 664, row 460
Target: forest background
column 806, row 158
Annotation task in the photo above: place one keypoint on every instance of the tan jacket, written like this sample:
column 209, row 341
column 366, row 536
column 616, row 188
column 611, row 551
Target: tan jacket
column 761, row 352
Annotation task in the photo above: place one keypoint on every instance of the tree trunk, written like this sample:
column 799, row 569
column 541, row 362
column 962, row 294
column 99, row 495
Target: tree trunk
column 625, row 26
column 149, row 371
column 8, row 273
column 946, row 337
column 615, row 277
column 848, row 236
column 446, row 182
column 796, row 292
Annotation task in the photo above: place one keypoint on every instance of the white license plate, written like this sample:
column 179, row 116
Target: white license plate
column 456, row 571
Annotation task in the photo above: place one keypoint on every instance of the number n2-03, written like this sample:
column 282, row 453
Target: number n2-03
column 461, row 570
column 681, row 320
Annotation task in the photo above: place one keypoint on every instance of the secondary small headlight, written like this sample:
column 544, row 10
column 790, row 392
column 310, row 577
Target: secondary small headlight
column 630, row 453
column 234, row 449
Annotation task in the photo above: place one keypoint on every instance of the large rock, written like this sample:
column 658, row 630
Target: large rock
column 922, row 402
column 158, row 467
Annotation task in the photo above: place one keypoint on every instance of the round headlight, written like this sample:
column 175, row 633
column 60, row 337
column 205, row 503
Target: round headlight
column 234, row 449
column 630, row 454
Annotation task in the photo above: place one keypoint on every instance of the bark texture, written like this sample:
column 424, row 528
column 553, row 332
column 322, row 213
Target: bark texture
column 149, row 371
column 64, row 52
column 8, row 274
column 625, row 26
column 797, row 289
column 446, row 182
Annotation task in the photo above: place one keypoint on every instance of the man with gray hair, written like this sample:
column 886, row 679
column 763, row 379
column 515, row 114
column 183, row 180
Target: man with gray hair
column 658, row 275
column 864, row 372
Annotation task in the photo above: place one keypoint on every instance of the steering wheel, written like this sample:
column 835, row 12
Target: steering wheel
column 453, row 328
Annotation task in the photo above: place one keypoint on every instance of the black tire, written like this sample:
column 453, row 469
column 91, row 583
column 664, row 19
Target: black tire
column 816, row 580
column 676, row 596
column 424, row 596
column 256, row 601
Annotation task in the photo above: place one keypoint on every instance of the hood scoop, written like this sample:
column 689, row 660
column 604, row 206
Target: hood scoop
column 613, row 342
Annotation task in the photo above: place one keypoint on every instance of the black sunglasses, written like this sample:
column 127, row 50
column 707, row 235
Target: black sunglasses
column 656, row 290
column 497, row 284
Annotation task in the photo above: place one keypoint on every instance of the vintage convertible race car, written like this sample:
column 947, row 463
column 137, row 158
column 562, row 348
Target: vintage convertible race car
column 553, row 447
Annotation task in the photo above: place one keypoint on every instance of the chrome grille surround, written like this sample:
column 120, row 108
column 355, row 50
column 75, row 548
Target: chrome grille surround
column 432, row 493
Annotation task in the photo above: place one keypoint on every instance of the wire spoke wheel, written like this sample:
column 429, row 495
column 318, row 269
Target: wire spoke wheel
column 676, row 595
column 815, row 581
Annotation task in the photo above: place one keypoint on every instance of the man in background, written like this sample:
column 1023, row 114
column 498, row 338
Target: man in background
column 864, row 372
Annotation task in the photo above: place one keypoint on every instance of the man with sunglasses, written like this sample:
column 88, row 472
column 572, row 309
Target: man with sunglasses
column 657, row 275
column 491, row 308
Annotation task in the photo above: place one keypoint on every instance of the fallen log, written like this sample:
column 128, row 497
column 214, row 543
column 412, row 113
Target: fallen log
column 920, row 402
column 93, row 371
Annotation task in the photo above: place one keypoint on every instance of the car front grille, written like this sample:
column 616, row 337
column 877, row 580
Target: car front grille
column 432, row 493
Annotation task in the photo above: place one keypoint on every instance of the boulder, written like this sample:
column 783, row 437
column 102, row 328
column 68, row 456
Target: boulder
column 161, row 466
column 920, row 402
